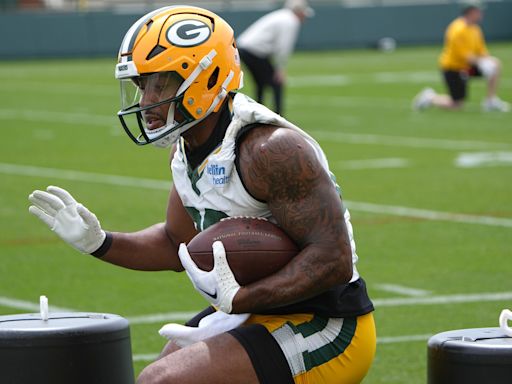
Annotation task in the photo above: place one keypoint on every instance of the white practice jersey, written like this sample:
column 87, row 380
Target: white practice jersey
column 214, row 190
column 274, row 36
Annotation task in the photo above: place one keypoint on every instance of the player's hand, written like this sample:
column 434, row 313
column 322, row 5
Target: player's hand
column 279, row 76
column 218, row 286
column 70, row 220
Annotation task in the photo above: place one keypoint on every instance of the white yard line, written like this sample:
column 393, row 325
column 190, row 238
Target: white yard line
column 404, row 141
column 402, row 339
column 374, row 163
column 402, row 290
column 145, row 357
column 90, row 177
column 9, row 302
column 443, row 299
column 40, row 116
column 424, row 214
column 483, row 159
column 161, row 317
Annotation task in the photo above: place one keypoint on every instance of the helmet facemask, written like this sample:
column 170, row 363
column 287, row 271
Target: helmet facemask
column 151, row 109
column 191, row 49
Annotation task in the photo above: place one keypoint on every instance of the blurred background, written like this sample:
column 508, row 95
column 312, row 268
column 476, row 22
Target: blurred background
column 95, row 27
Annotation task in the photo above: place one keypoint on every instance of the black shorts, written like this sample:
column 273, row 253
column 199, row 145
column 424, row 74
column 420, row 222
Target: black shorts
column 457, row 82
column 271, row 366
column 261, row 68
column 307, row 347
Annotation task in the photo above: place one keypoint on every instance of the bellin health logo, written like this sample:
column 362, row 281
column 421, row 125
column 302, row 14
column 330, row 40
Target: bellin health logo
column 217, row 175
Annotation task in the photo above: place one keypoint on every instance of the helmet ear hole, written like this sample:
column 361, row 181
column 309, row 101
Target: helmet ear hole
column 213, row 78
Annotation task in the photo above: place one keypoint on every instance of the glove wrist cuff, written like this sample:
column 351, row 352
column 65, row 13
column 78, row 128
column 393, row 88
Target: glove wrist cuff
column 104, row 247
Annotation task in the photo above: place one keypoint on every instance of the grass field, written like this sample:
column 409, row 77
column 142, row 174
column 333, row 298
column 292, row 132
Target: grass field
column 434, row 237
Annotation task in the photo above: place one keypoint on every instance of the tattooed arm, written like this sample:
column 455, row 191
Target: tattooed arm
column 280, row 167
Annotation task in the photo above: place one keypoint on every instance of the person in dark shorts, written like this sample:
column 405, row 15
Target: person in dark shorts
column 266, row 45
column 464, row 56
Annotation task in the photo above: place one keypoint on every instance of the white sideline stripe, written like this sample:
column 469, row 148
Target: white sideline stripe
column 403, row 339
column 402, row 290
column 29, row 306
column 403, row 141
column 145, row 357
column 63, row 174
column 483, row 159
column 59, row 117
column 14, row 169
column 374, row 163
column 161, row 317
column 443, row 299
column 428, row 214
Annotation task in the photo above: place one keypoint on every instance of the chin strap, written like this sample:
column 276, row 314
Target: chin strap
column 204, row 64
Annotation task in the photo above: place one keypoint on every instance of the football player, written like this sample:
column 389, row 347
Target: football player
column 465, row 55
column 310, row 322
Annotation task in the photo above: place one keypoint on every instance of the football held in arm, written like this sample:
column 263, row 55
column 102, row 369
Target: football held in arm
column 231, row 157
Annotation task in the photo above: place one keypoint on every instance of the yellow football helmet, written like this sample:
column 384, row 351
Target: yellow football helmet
column 181, row 57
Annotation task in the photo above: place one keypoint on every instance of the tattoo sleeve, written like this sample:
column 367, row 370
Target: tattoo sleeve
column 280, row 167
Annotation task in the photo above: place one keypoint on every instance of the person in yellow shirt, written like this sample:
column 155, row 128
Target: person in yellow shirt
column 464, row 55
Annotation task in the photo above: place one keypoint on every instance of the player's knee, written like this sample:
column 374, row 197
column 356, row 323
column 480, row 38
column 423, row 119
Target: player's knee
column 150, row 375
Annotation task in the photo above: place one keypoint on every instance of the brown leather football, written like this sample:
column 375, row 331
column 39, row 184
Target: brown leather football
column 255, row 247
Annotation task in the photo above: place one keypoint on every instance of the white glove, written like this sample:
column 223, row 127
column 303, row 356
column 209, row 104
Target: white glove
column 71, row 221
column 218, row 286
column 216, row 323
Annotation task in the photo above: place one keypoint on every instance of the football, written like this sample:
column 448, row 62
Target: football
column 255, row 247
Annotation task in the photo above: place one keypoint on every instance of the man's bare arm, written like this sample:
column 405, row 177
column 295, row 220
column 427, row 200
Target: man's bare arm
column 280, row 167
column 154, row 248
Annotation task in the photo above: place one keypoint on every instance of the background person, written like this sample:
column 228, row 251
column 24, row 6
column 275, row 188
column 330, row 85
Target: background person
column 266, row 45
column 465, row 55
column 311, row 321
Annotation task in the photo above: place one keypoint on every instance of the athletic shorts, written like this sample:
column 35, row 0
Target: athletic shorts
column 261, row 68
column 457, row 82
column 307, row 348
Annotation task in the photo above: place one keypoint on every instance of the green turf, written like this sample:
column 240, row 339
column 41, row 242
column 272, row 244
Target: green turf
column 60, row 115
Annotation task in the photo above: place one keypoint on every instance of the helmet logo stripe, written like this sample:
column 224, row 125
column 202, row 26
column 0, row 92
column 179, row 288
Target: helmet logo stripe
column 188, row 33
column 131, row 35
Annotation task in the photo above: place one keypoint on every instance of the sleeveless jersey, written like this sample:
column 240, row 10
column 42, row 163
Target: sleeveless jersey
column 214, row 190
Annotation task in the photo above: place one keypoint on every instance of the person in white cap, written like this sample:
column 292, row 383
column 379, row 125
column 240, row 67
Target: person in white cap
column 266, row 45
column 464, row 56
